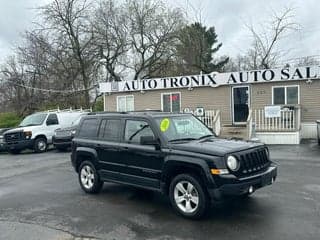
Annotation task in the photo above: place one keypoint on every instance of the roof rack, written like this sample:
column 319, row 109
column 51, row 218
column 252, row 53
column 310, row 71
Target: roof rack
column 145, row 111
column 128, row 112
column 69, row 110
column 105, row 112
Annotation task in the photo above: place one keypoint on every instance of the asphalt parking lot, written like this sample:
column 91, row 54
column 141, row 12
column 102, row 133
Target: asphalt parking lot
column 40, row 198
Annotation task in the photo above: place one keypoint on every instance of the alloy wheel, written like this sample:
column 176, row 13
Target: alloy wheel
column 186, row 197
column 87, row 177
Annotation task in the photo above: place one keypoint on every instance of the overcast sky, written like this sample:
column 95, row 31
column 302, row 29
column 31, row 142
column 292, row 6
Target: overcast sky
column 227, row 16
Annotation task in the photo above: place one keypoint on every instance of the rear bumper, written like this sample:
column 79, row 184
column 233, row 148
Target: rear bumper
column 241, row 186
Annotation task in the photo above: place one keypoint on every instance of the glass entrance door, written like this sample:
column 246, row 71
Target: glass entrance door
column 240, row 104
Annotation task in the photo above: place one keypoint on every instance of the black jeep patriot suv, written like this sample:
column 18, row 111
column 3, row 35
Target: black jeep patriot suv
column 175, row 154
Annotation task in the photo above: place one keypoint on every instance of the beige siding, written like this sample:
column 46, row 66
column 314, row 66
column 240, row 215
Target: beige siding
column 207, row 97
column 310, row 101
column 309, row 97
column 220, row 98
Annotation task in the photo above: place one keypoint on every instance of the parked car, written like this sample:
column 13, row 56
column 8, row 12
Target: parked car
column 62, row 137
column 36, row 130
column 2, row 145
column 175, row 154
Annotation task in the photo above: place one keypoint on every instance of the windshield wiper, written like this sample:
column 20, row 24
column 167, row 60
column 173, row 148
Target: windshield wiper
column 206, row 136
column 182, row 139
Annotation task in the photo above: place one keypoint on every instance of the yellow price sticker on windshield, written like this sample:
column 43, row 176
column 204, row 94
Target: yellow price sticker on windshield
column 164, row 124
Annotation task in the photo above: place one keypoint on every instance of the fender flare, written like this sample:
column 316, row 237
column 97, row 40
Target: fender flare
column 84, row 152
column 191, row 162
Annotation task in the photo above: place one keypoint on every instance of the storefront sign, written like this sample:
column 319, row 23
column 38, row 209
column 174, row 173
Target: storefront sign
column 215, row 79
column 272, row 111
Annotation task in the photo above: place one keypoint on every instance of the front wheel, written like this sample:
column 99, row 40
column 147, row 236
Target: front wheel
column 88, row 178
column 40, row 145
column 188, row 197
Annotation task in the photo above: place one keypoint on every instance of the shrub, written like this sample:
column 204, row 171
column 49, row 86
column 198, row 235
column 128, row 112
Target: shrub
column 9, row 119
column 98, row 106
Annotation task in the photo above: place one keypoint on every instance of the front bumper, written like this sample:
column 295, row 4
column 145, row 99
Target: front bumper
column 2, row 147
column 62, row 141
column 240, row 186
column 19, row 145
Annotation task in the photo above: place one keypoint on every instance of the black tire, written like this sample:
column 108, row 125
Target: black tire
column 200, row 209
column 14, row 151
column 40, row 145
column 96, row 183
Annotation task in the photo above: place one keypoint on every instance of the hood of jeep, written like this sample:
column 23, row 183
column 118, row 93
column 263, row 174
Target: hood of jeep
column 215, row 146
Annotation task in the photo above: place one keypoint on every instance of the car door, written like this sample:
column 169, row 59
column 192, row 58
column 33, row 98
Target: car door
column 108, row 148
column 51, row 124
column 143, row 162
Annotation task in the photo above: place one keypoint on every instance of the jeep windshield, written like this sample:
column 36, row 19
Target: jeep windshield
column 33, row 120
column 182, row 128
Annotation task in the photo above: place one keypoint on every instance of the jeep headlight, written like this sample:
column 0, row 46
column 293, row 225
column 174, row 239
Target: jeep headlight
column 232, row 163
column 73, row 132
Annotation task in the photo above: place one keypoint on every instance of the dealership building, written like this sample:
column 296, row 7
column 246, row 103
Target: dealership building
column 277, row 106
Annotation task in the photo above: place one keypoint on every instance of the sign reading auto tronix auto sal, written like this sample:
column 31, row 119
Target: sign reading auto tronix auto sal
column 215, row 79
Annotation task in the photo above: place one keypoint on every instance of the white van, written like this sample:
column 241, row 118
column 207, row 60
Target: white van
column 36, row 130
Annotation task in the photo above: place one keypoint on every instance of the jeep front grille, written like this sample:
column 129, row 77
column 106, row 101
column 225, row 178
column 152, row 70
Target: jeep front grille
column 254, row 161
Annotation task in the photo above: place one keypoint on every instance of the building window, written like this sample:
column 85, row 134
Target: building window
column 171, row 102
column 285, row 95
column 125, row 103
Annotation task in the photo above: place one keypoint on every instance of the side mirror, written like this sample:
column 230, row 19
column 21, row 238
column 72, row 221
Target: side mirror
column 149, row 140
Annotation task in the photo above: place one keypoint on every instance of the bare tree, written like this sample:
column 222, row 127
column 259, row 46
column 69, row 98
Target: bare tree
column 70, row 19
column 153, row 32
column 264, row 51
column 111, row 30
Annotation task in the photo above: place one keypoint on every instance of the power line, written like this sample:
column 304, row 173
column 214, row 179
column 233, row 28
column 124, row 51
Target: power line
column 52, row 90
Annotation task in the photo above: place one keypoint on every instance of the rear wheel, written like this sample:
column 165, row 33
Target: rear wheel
column 40, row 145
column 88, row 178
column 188, row 197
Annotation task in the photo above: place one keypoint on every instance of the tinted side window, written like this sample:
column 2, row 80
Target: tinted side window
column 52, row 119
column 88, row 128
column 135, row 129
column 109, row 130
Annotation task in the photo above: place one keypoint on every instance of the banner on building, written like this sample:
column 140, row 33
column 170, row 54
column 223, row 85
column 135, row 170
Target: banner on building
column 214, row 79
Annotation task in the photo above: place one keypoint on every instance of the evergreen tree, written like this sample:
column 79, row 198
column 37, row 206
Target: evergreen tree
column 196, row 47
